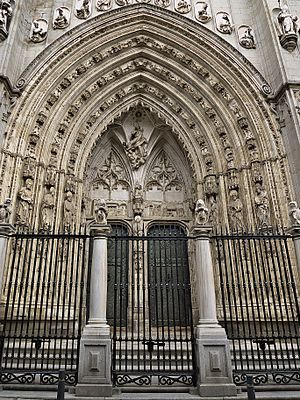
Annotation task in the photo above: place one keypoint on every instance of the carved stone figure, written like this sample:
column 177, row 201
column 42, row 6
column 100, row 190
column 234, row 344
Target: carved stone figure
column 100, row 210
column 83, row 9
column 262, row 206
column 6, row 13
column 138, row 226
column 213, row 216
column 294, row 213
column 5, row 211
column 138, row 200
column 123, row 2
column 288, row 29
column 223, row 22
column 201, row 213
column 246, row 37
column 201, row 12
column 47, row 209
column 162, row 3
column 103, row 5
column 39, row 30
column 235, row 209
column 61, row 19
column 69, row 210
column 136, row 148
column 25, row 202
column 183, row 6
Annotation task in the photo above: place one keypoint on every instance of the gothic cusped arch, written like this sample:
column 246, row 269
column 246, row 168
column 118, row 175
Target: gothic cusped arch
column 210, row 95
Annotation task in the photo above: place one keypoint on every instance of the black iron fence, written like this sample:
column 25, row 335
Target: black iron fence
column 258, row 293
column 45, row 306
column 151, row 309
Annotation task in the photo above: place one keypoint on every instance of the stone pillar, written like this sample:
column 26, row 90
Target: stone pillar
column 5, row 231
column 212, row 345
column 94, row 379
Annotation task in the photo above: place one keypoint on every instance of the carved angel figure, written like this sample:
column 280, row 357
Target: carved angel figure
column 100, row 209
column 202, row 12
column 25, row 202
column 183, row 6
column 5, row 211
column 288, row 22
column 61, row 18
column 162, row 3
column 246, row 37
column 294, row 213
column 224, row 23
column 201, row 213
column 39, row 30
column 83, row 11
column 103, row 5
column 6, row 13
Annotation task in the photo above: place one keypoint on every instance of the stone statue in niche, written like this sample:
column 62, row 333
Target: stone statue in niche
column 138, row 226
column 5, row 211
column 183, row 6
column 235, row 210
column 136, row 148
column 123, row 2
column 294, row 213
column 47, row 208
column 287, row 29
column 6, row 13
column 162, row 3
column 69, row 210
column 246, row 37
column 83, row 9
column 138, row 199
column 211, row 191
column 39, row 30
column 100, row 209
column 223, row 22
column 201, row 12
column 262, row 206
column 213, row 216
column 25, row 200
column 103, row 5
column 201, row 213
column 61, row 18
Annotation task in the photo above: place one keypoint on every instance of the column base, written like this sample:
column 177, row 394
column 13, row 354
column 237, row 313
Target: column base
column 213, row 360
column 94, row 377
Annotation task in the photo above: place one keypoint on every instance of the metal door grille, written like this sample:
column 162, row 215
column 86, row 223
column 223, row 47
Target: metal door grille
column 260, row 305
column 152, row 330
column 45, row 294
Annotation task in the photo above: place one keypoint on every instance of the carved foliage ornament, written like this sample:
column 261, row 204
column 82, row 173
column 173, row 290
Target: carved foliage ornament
column 6, row 13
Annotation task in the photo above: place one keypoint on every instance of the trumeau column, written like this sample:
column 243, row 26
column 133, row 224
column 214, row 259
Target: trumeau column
column 94, row 378
column 212, row 345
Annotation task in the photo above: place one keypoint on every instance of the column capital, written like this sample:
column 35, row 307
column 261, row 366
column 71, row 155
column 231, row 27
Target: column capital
column 100, row 230
column 7, row 229
column 202, row 231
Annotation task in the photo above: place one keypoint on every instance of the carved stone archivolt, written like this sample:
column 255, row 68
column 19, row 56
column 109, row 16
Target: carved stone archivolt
column 209, row 114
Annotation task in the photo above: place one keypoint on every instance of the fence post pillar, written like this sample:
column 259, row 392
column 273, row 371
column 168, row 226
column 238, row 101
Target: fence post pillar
column 94, row 379
column 6, row 230
column 212, row 345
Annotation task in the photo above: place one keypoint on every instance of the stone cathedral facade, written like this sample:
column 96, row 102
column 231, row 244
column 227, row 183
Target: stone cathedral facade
column 142, row 107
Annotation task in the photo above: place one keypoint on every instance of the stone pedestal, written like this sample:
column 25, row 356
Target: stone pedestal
column 212, row 345
column 94, row 379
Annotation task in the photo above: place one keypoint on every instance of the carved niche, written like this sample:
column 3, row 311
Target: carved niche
column 61, row 18
column 6, row 13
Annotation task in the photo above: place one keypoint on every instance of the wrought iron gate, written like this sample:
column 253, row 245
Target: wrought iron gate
column 152, row 313
column 260, row 304
column 45, row 294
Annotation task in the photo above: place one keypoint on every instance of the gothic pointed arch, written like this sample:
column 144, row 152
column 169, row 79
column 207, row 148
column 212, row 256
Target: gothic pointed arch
column 211, row 97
